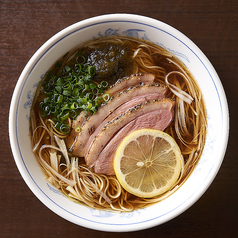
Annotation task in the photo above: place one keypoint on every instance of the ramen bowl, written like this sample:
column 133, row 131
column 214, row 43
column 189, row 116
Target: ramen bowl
column 168, row 38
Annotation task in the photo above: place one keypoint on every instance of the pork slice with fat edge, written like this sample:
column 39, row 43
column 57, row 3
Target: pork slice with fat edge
column 92, row 122
column 158, row 120
column 132, row 80
column 116, row 124
column 121, row 109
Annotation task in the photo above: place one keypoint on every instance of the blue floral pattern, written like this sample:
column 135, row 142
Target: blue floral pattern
column 54, row 189
column 30, row 96
column 145, row 37
column 108, row 32
column 138, row 33
column 132, row 32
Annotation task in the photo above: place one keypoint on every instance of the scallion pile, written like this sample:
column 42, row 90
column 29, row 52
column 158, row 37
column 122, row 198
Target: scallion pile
column 71, row 91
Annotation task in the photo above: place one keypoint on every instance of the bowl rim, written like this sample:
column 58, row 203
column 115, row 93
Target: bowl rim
column 98, row 20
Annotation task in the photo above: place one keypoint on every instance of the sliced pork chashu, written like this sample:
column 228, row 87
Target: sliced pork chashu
column 92, row 122
column 112, row 127
column 133, row 80
column 158, row 120
column 120, row 110
column 70, row 140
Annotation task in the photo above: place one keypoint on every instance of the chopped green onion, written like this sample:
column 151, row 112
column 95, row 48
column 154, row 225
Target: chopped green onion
column 46, row 100
column 73, row 114
column 59, row 99
column 106, row 97
column 80, row 59
column 75, row 92
column 67, row 68
column 51, row 81
column 74, row 105
column 67, row 92
column 70, row 91
column 89, row 106
column 104, row 84
column 59, row 81
column 58, row 89
column 65, row 129
column 89, row 95
column 67, row 85
column 78, row 129
column 54, row 110
column 91, row 70
column 92, row 86
column 43, row 115
column 64, row 117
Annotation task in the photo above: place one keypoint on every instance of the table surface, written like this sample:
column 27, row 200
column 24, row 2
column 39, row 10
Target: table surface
column 26, row 25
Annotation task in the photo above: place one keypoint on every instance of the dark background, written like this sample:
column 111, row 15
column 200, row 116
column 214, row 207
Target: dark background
column 26, row 25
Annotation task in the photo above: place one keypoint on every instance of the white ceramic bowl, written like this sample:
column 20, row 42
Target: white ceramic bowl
column 163, row 35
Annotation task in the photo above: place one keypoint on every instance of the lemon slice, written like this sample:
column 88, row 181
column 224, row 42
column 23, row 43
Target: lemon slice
column 148, row 163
